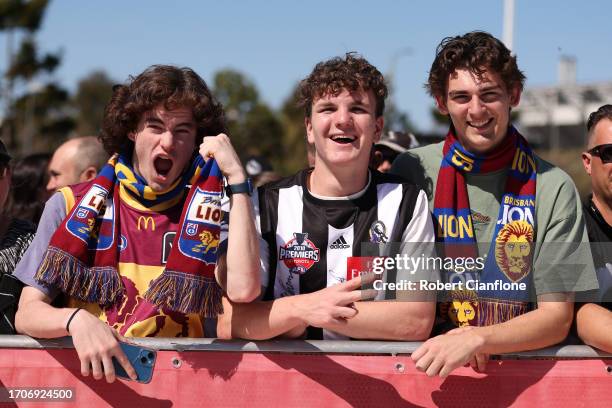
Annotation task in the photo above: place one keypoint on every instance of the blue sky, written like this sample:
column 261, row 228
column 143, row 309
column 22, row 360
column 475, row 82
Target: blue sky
column 276, row 43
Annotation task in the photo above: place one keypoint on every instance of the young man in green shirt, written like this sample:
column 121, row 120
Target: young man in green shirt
column 485, row 185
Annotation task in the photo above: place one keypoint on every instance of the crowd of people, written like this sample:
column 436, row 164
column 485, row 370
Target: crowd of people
column 155, row 227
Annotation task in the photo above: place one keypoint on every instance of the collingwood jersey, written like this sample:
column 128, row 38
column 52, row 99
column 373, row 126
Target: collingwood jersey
column 306, row 240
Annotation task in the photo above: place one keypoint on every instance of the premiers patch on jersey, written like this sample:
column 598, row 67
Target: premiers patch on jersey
column 199, row 237
column 86, row 224
column 299, row 254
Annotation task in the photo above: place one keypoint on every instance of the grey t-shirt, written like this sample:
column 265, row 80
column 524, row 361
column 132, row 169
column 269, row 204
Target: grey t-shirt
column 562, row 245
column 52, row 217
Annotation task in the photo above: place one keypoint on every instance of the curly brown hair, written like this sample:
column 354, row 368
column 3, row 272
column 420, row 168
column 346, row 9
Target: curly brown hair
column 174, row 87
column 478, row 52
column 332, row 76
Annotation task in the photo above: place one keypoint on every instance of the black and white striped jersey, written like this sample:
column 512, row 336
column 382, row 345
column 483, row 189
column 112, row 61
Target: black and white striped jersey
column 305, row 240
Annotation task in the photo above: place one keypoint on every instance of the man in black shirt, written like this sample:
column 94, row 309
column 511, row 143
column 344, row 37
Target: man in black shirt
column 594, row 321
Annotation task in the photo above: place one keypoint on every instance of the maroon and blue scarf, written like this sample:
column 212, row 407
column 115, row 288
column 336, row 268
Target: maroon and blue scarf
column 82, row 257
column 510, row 252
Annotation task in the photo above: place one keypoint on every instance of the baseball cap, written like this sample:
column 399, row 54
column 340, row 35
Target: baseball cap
column 398, row 141
column 255, row 165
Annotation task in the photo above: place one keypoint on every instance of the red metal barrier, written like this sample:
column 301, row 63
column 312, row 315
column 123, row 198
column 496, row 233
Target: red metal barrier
column 212, row 378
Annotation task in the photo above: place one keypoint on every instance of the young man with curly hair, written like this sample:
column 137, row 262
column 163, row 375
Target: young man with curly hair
column 487, row 186
column 134, row 252
column 312, row 223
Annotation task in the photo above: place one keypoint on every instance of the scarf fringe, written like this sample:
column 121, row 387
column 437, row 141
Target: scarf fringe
column 186, row 294
column 96, row 284
column 498, row 311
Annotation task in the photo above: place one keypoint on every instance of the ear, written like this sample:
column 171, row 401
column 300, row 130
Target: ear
column 88, row 174
column 132, row 136
column 515, row 96
column 586, row 162
column 379, row 126
column 441, row 105
column 377, row 158
column 309, row 133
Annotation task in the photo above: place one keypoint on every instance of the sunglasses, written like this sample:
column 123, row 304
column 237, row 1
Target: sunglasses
column 604, row 151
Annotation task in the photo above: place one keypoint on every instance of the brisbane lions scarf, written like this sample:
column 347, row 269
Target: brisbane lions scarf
column 510, row 252
column 82, row 257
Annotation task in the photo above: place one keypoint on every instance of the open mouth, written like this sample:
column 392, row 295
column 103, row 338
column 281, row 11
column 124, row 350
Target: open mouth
column 480, row 124
column 343, row 139
column 162, row 166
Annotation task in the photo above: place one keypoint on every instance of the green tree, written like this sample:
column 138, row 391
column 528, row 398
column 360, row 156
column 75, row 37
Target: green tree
column 294, row 134
column 395, row 119
column 438, row 117
column 93, row 93
column 254, row 127
column 36, row 117
column 236, row 92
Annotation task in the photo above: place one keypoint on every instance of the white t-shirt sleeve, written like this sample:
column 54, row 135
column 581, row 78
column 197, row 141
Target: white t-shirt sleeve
column 418, row 241
column 52, row 217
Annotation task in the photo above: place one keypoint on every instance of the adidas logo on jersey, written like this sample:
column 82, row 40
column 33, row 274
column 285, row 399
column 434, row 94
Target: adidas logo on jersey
column 340, row 243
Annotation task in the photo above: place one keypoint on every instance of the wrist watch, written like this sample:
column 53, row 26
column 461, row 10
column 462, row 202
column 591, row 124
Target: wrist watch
column 244, row 187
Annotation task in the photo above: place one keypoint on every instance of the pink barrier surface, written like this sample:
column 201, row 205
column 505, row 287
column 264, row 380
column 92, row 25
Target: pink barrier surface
column 196, row 379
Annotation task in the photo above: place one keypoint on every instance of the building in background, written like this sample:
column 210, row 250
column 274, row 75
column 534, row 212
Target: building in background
column 555, row 116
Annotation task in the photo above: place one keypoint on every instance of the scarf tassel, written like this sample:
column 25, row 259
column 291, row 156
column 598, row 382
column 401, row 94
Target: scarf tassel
column 186, row 294
column 494, row 312
column 63, row 271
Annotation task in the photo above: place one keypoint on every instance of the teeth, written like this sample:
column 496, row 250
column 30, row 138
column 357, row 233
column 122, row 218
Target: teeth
column 479, row 124
column 343, row 137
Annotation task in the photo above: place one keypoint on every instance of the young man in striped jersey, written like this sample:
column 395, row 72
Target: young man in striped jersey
column 314, row 223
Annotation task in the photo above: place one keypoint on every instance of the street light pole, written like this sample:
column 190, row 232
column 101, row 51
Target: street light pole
column 508, row 23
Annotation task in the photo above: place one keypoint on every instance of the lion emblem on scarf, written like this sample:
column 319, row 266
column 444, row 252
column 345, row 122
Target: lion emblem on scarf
column 90, row 229
column 513, row 249
column 463, row 307
column 209, row 242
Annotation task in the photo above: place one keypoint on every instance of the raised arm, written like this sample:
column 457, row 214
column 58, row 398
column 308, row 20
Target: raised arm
column 238, row 269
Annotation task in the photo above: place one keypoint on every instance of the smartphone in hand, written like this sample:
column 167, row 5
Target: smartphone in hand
column 141, row 358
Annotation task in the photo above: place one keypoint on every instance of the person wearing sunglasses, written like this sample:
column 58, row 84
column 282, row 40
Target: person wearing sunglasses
column 594, row 320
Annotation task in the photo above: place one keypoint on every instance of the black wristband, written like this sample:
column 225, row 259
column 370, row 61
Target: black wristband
column 72, row 317
column 244, row 187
